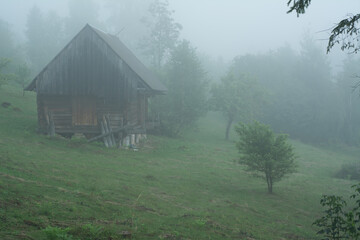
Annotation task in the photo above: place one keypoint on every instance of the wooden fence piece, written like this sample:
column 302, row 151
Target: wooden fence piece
column 111, row 136
column 108, row 134
column 104, row 133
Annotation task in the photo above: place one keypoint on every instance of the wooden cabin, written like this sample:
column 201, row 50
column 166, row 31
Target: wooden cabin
column 93, row 79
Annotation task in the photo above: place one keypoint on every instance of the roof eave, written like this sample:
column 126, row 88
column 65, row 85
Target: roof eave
column 31, row 86
column 159, row 92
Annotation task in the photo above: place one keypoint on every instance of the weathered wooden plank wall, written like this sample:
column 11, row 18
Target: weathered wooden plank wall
column 89, row 67
column 86, row 82
column 84, row 111
column 78, row 112
column 59, row 106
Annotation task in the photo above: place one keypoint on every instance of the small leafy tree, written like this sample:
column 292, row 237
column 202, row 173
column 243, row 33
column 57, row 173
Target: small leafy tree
column 164, row 34
column 185, row 100
column 332, row 224
column 336, row 223
column 236, row 97
column 266, row 155
column 7, row 46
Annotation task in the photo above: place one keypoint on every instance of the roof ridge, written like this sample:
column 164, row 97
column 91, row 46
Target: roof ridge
column 122, row 51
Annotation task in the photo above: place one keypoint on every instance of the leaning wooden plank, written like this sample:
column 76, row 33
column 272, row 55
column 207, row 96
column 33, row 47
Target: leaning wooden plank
column 99, row 137
column 120, row 138
column 106, row 131
column 106, row 134
column 109, row 129
column 110, row 137
column 103, row 131
column 127, row 128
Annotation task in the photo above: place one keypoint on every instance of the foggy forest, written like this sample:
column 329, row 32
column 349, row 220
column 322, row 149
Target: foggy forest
column 179, row 119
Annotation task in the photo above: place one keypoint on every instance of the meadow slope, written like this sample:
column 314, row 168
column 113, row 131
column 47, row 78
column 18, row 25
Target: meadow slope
column 185, row 188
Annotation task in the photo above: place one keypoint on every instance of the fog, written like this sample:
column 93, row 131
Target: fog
column 282, row 53
column 223, row 28
column 234, row 27
column 220, row 31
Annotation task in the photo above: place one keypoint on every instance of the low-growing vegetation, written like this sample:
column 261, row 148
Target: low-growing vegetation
column 349, row 171
column 337, row 221
column 264, row 154
column 184, row 188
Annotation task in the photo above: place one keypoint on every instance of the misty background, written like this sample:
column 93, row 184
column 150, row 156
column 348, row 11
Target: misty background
column 279, row 60
column 219, row 29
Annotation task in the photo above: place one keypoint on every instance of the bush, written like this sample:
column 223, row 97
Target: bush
column 56, row 233
column 349, row 171
column 266, row 155
column 339, row 221
column 88, row 231
column 93, row 232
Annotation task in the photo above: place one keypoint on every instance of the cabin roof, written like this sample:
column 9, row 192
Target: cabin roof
column 123, row 53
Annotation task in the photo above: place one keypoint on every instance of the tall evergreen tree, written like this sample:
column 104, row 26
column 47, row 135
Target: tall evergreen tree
column 81, row 12
column 7, row 48
column 164, row 33
column 186, row 81
column 303, row 100
column 347, row 79
column 45, row 37
column 35, row 28
column 125, row 21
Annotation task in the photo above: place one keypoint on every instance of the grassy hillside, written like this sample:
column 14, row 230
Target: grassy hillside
column 186, row 188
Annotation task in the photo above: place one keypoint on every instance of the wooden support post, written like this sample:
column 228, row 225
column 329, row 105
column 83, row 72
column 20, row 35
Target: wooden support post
column 51, row 125
column 103, row 132
column 132, row 142
column 120, row 138
column 111, row 136
column 126, row 141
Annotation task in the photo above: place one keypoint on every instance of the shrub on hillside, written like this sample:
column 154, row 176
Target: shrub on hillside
column 56, row 233
column 349, row 171
column 340, row 221
column 265, row 154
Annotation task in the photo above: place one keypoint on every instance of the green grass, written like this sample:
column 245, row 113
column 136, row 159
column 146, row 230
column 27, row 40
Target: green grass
column 185, row 188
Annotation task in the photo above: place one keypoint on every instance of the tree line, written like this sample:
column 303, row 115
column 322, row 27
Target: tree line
column 293, row 91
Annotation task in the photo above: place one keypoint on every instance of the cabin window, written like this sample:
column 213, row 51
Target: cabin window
column 84, row 111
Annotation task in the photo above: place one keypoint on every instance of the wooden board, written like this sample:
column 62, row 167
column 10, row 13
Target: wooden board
column 84, row 111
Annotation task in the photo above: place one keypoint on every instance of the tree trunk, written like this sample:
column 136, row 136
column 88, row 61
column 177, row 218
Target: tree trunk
column 269, row 184
column 270, row 191
column 228, row 128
